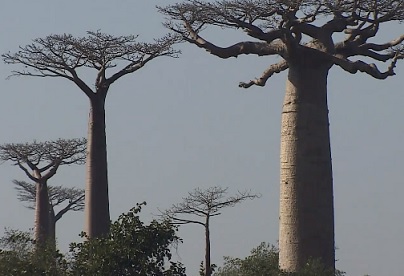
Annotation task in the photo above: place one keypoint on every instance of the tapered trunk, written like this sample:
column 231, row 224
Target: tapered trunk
column 97, row 220
column 41, row 214
column 208, row 270
column 306, row 188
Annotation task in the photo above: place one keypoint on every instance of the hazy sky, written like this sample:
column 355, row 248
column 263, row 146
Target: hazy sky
column 179, row 124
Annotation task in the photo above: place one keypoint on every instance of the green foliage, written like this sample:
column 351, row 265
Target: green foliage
column 263, row 261
column 131, row 248
column 316, row 268
column 19, row 256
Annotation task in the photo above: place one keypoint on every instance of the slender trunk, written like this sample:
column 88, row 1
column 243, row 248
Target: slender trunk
column 208, row 271
column 41, row 214
column 97, row 220
column 52, row 227
column 306, row 188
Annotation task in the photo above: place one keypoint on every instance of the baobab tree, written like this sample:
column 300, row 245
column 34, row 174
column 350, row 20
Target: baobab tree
column 199, row 207
column 64, row 56
column 40, row 161
column 304, row 35
column 64, row 199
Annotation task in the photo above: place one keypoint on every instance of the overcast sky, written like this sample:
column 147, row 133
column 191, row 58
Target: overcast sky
column 183, row 123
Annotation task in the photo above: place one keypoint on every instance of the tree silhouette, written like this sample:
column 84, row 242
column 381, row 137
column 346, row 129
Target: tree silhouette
column 202, row 205
column 40, row 161
column 63, row 198
column 65, row 56
column 304, row 35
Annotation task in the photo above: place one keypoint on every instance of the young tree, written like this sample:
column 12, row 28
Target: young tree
column 64, row 56
column 40, row 161
column 204, row 204
column 303, row 34
column 63, row 198
column 131, row 248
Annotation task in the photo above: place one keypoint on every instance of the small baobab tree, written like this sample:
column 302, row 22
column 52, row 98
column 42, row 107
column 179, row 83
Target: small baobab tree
column 65, row 56
column 199, row 206
column 40, row 161
column 304, row 34
column 62, row 199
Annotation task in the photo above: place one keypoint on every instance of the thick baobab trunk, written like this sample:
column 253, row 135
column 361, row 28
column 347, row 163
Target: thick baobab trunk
column 41, row 214
column 208, row 270
column 96, row 193
column 306, row 188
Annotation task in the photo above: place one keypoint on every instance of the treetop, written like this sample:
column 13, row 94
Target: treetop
column 63, row 55
column 292, row 29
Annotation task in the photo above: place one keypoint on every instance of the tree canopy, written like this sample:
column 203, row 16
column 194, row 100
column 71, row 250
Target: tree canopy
column 63, row 55
column 31, row 156
column 282, row 27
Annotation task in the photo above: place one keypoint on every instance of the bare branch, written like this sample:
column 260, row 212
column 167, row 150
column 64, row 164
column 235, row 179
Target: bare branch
column 76, row 203
column 62, row 56
column 147, row 52
column 26, row 192
column 58, row 195
column 205, row 204
column 382, row 47
column 179, row 221
column 279, row 26
column 274, row 68
column 27, row 173
column 371, row 69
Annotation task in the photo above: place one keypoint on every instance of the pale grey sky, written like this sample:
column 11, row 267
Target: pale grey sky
column 183, row 123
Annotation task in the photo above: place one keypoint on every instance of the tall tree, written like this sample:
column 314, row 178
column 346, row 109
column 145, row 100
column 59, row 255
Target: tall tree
column 303, row 34
column 63, row 198
column 64, row 56
column 40, row 161
column 203, row 205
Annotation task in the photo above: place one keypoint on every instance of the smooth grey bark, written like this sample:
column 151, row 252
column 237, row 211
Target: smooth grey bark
column 306, row 186
column 97, row 217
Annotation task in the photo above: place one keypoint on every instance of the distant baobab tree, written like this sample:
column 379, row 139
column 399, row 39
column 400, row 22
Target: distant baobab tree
column 40, row 161
column 199, row 207
column 305, row 35
column 111, row 57
column 63, row 199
